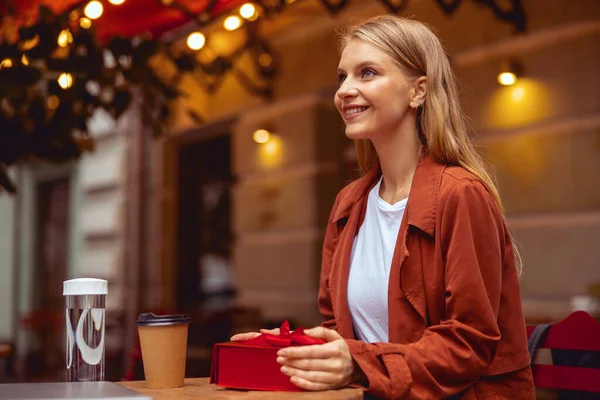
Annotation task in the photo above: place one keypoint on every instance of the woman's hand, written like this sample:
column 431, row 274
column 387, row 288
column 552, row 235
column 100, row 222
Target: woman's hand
column 252, row 335
column 321, row 366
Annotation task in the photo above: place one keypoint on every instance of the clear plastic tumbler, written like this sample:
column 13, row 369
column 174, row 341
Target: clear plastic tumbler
column 85, row 319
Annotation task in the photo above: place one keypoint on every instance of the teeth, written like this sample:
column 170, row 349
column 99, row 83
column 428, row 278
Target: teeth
column 355, row 110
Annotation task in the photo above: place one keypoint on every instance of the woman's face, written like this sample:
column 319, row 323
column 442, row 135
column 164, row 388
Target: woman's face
column 374, row 93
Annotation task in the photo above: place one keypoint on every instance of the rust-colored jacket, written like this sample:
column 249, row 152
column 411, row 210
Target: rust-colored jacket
column 456, row 325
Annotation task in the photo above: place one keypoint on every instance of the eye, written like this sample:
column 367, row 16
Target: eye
column 341, row 78
column 368, row 73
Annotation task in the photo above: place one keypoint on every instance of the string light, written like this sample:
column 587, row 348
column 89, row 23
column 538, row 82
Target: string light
column 261, row 136
column 6, row 63
column 232, row 22
column 53, row 102
column 85, row 23
column 65, row 80
column 196, row 40
column 265, row 59
column 116, row 2
column 29, row 44
column 93, row 10
column 247, row 10
column 64, row 38
column 24, row 60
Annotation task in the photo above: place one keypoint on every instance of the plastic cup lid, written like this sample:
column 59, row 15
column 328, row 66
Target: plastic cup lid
column 150, row 319
column 85, row 286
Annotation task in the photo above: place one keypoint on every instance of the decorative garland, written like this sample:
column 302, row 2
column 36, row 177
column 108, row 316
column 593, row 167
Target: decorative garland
column 55, row 74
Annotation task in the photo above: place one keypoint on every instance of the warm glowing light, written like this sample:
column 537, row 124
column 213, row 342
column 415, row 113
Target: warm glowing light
column 265, row 59
column 64, row 38
column 6, row 63
column 85, row 23
column 526, row 102
column 518, row 93
column 232, row 22
column 27, row 45
column 24, row 60
column 196, row 40
column 167, row 2
column 261, row 136
column 74, row 15
column 116, row 2
column 65, row 80
column 507, row 78
column 93, row 10
column 271, row 154
column 247, row 10
column 271, row 148
column 53, row 102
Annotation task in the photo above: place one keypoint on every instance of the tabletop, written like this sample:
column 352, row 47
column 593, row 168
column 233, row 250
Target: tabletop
column 200, row 388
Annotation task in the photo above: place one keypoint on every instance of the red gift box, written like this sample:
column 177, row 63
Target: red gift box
column 252, row 364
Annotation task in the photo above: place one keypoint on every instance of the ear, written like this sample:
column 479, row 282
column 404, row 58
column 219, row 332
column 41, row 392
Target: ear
column 419, row 91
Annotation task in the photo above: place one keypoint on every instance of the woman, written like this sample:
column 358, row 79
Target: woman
column 419, row 282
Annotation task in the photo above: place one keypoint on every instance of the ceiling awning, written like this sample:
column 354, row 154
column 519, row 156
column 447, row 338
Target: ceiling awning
column 130, row 18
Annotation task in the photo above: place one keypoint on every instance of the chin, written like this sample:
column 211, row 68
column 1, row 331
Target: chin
column 357, row 134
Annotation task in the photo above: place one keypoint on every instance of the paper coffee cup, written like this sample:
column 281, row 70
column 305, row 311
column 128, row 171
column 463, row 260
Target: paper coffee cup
column 163, row 339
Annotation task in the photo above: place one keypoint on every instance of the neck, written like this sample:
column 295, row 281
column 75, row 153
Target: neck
column 398, row 156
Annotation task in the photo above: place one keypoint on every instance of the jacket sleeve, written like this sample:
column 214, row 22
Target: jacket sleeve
column 450, row 356
column 324, row 299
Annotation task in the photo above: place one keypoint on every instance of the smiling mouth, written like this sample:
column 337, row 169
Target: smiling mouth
column 350, row 112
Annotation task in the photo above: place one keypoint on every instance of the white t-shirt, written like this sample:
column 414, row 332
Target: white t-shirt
column 370, row 264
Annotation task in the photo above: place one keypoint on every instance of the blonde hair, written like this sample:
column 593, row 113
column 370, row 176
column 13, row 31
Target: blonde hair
column 442, row 125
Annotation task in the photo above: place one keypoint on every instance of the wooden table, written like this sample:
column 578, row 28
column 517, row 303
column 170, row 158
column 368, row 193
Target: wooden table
column 199, row 388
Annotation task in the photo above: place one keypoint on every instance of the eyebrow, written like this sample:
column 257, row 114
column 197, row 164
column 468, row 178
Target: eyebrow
column 362, row 65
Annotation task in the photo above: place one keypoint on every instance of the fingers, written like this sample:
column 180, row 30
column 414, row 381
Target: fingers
column 274, row 331
column 318, row 351
column 330, row 365
column 244, row 336
column 328, row 335
column 322, row 377
column 252, row 335
column 308, row 385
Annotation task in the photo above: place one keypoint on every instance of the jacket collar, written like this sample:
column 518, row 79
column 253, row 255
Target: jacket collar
column 422, row 199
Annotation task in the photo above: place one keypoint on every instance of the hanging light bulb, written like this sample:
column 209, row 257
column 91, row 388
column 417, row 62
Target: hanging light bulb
column 196, row 40
column 65, row 80
column 64, row 38
column 261, row 136
column 93, row 10
column 85, row 23
column 232, row 22
column 116, row 2
column 510, row 70
column 507, row 78
column 247, row 10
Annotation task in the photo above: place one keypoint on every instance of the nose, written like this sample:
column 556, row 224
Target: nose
column 346, row 90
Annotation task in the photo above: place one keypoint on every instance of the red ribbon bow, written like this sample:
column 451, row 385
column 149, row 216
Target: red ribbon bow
column 285, row 338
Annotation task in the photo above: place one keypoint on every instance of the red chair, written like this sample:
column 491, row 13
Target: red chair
column 579, row 331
